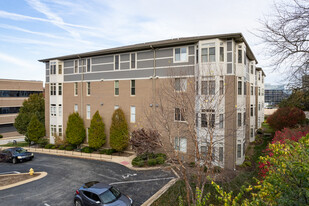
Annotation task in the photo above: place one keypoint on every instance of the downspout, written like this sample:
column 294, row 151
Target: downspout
column 154, row 85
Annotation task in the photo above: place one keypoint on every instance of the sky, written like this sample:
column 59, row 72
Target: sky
column 36, row 29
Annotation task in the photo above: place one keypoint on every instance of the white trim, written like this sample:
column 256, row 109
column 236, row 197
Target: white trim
column 134, row 114
column 132, row 95
column 115, row 88
column 187, row 51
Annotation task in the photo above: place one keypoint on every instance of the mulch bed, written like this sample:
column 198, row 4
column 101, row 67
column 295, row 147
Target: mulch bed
column 11, row 179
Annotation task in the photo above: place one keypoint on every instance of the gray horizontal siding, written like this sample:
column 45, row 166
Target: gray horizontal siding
column 164, row 53
column 68, row 71
column 125, row 65
column 47, row 65
column 191, row 50
column 103, row 59
column 130, row 74
column 124, row 57
column 169, row 62
column 145, row 64
column 178, row 71
column 68, row 63
column 101, row 68
column 75, row 77
column 47, row 71
column 144, row 55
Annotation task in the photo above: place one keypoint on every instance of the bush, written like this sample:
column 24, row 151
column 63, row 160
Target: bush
column 161, row 155
column 145, row 141
column 286, row 117
column 69, row 148
column 61, row 147
column 192, row 164
column 87, row 150
column 96, row 136
column 53, row 147
column 217, row 169
column 1, row 136
column 43, row 142
column 205, row 169
column 290, row 134
column 160, row 160
column 119, row 131
column 138, row 162
column 48, row 146
column 75, row 132
column 35, row 129
column 107, row 151
column 151, row 162
column 247, row 163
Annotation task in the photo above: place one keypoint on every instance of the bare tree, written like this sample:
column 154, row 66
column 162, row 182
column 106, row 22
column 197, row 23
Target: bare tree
column 286, row 36
column 191, row 107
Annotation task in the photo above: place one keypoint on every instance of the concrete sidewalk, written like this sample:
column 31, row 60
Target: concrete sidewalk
column 125, row 161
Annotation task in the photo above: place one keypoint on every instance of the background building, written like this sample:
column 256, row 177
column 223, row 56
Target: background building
column 12, row 95
column 227, row 89
column 274, row 94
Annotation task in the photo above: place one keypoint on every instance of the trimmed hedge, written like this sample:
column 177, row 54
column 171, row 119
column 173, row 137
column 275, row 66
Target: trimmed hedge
column 87, row 150
column 119, row 131
column 149, row 159
column 107, row 151
column 49, row 146
column 61, row 147
column 69, row 148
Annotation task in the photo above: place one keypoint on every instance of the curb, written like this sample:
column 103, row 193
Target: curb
column 42, row 174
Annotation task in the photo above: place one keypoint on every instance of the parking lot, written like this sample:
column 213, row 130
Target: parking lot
column 66, row 174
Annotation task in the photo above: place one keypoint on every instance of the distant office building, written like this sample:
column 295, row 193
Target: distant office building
column 12, row 95
column 305, row 82
column 274, row 94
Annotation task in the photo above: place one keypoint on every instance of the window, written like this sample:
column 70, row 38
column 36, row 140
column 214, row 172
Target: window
column 244, row 118
column 203, row 120
column 59, row 88
column 245, row 57
column 53, row 89
column 76, row 66
column 116, row 107
column 179, row 115
column 259, row 106
column 116, row 85
column 251, row 110
column 132, row 87
column 251, row 69
column 53, row 130
column 88, row 111
column 75, row 88
column 59, row 69
column 53, row 110
column 239, row 56
column 76, row 108
column 239, row 87
column 133, row 60
column 244, row 148
column 60, row 110
column 212, row 87
column 52, row 68
column 181, row 54
column 221, row 87
column 132, row 116
column 245, row 88
column 210, row 115
column 220, row 154
column 212, row 120
column 221, row 54
column 209, row 54
column 259, row 91
column 180, row 84
column 204, row 87
column 251, row 133
column 60, row 130
column 88, row 65
column 221, row 121
column 181, row 144
column 197, row 55
column 238, row 150
column 239, row 119
column 204, row 150
column 116, row 62
column 88, row 88
column 251, row 90
column 197, row 87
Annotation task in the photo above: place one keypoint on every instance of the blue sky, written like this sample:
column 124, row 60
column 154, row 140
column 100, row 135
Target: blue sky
column 37, row 29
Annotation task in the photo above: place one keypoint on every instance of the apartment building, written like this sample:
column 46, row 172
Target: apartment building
column 12, row 95
column 221, row 68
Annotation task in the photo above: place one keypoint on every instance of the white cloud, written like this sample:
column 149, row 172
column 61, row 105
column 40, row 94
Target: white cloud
column 16, row 61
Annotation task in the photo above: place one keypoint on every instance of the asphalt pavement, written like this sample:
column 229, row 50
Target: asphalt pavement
column 66, row 174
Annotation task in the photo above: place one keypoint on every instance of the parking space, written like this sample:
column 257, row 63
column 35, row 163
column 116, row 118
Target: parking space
column 66, row 174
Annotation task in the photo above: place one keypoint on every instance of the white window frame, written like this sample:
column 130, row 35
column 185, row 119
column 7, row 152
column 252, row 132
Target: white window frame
column 116, row 69
column 181, row 60
column 132, row 87
column 60, row 110
column 53, row 112
column 60, row 89
column 75, row 88
column 210, row 45
column 180, row 144
column 60, row 132
column 135, row 60
column 76, row 108
column 182, row 119
column 116, row 107
column 183, row 82
column 88, row 88
column 132, row 114
column 115, row 88
column 88, row 111
column 76, row 66
column 53, row 130
column 90, row 63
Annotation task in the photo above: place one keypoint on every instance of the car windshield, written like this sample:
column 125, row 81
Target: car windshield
column 110, row 195
column 20, row 150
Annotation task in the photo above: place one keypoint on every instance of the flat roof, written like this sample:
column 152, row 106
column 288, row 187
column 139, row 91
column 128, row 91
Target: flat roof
column 238, row 37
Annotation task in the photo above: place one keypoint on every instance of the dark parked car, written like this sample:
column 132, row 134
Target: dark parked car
column 97, row 193
column 17, row 154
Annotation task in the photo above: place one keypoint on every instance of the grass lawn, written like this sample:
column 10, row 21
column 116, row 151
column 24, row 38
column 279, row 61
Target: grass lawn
column 170, row 197
column 19, row 144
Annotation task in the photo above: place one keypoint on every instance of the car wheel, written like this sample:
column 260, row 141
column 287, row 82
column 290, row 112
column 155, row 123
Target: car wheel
column 14, row 160
column 78, row 203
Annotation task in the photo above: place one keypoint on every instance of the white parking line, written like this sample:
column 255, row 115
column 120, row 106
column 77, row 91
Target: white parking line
column 149, row 180
column 46, row 204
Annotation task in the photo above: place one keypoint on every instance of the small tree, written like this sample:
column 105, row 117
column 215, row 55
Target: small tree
column 286, row 117
column 35, row 130
column 75, row 132
column 119, row 131
column 96, row 134
column 34, row 105
column 145, row 141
